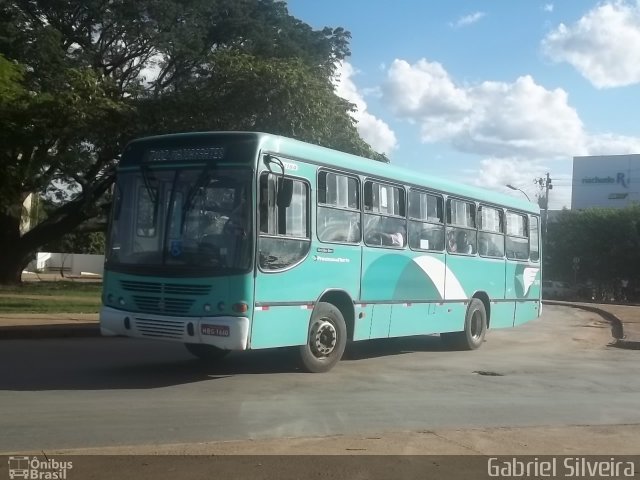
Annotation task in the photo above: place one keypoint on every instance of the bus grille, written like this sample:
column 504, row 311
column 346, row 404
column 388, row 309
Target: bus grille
column 170, row 306
column 165, row 288
column 155, row 328
column 151, row 296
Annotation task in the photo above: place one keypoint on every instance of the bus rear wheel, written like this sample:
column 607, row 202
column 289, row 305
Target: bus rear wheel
column 204, row 352
column 326, row 340
column 475, row 329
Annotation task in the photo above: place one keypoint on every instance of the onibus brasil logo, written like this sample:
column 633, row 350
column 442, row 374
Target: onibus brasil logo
column 37, row 469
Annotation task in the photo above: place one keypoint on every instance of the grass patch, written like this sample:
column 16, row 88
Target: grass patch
column 63, row 288
column 51, row 297
column 25, row 305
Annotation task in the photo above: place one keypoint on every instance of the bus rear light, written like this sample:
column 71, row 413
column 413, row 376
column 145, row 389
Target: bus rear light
column 240, row 307
column 121, row 301
column 221, row 306
column 207, row 307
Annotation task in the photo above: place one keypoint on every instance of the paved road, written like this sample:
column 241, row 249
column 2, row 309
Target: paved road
column 558, row 370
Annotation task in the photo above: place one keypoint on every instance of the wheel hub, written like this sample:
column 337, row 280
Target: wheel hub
column 323, row 338
column 476, row 325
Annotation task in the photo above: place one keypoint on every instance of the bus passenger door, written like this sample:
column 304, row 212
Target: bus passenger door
column 293, row 267
column 523, row 267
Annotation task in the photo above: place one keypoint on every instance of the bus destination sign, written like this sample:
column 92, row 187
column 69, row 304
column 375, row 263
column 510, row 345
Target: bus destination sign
column 184, row 154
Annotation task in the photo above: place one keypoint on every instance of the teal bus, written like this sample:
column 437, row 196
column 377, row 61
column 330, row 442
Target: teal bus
column 229, row 241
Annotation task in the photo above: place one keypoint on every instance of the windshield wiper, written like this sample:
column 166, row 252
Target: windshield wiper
column 147, row 178
column 203, row 178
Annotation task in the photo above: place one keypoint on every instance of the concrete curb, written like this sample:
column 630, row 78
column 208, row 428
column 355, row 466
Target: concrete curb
column 92, row 329
column 617, row 326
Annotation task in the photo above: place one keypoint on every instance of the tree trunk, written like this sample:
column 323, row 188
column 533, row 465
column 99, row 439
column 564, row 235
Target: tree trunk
column 12, row 258
column 16, row 250
column 11, row 269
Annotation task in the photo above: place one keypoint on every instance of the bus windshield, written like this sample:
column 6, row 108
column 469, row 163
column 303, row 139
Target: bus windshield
column 196, row 220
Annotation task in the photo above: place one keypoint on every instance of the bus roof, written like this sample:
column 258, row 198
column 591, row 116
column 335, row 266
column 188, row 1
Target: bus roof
column 296, row 149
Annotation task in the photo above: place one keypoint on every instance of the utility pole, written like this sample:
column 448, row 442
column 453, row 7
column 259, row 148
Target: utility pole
column 545, row 182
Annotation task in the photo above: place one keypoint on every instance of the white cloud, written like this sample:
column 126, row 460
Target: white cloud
column 548, row 7
column 492, row 118
column 372, row 129
column 603, row 45
column 612, row 144
column 496, row 173
column 521, row 128
column 424, row 90
column 467, row 20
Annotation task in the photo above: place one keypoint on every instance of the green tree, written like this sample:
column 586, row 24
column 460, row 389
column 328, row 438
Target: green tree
column 606, row 242
column 10, row 78
column 80, row 78
column 78, row 242
column 285, row 96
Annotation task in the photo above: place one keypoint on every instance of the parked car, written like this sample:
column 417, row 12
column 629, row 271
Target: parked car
column 552, row 289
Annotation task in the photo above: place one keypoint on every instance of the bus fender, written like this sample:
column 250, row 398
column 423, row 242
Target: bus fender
column 343, row 302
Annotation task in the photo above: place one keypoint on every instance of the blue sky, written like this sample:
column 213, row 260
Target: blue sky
column 490, row 92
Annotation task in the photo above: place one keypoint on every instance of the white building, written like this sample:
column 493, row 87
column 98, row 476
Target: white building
column 611, row 181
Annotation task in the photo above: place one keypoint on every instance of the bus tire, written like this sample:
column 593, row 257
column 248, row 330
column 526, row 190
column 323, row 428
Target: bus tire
column 326, row 340
column 475, row 329
column 204, row 352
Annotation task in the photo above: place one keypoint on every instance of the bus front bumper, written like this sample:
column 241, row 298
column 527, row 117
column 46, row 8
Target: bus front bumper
column 228, row 333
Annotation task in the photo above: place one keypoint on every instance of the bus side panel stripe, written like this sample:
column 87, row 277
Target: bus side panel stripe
column 442, row 277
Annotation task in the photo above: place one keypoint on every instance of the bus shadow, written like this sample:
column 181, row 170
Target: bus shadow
column 118, row 364
column 114, row 364
column 385, row 347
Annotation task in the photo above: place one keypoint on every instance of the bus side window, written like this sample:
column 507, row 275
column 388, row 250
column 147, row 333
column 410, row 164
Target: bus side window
column 385, row 218
column 534, row 249
column 338, row 212
column 490, row 234
column 517, row 240
column 426, row 221
column 461, row 228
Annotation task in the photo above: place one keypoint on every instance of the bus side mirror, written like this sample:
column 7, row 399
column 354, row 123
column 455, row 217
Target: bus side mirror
column 285, row 192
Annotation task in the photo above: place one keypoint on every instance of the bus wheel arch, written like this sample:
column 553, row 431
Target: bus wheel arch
column 484, row 298
column 343, row 302
column 475, row 328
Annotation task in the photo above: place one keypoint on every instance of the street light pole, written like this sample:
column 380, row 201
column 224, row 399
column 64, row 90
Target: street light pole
column 516, row 188
column 545, row 183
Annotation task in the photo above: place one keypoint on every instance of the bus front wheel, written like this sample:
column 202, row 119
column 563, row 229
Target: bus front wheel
column 206, row 352
column 326, row 341
column 475, row 329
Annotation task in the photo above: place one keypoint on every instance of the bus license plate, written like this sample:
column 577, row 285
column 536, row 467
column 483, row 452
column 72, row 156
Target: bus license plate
column 215, row 330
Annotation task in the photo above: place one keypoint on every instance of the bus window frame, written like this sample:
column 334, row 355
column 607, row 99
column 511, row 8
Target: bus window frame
column 538, row 230
column 383, row 215
column 260, row 234
column 457, row 227
column 358, row 210
column 502, row 231
column 423, row 221
column 525, row 215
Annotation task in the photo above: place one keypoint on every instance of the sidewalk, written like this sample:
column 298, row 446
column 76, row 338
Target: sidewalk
column 52, row 325
column 624, row 320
